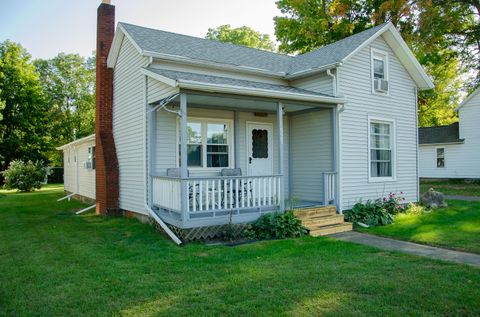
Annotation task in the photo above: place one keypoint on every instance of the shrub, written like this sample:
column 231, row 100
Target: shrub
column 276, row 226
column 415, row 209
column 25, row 176
column 376, row 212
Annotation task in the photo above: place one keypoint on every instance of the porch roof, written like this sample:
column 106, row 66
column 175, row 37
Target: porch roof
column 209, row 83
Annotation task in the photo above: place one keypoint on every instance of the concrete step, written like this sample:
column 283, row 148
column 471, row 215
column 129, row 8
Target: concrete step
column 318, row 221
column 305, row 213
column 325, row 230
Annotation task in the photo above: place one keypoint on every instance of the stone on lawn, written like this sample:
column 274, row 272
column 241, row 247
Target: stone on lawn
column 433, row 199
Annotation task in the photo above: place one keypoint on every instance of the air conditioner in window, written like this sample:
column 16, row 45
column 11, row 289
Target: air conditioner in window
column 380, row 85
column 87, row 165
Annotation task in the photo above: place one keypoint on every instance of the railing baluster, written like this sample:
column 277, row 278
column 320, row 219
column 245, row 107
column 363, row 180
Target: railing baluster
column 225, row 192
column 207, row 199
column 231, row 193
column 236, row 193
column 242, row 190
column 219, row 193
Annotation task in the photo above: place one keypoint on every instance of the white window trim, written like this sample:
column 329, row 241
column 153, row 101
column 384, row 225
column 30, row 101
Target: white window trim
column 204, row 122
column 393, row 140
column 444, row 157
column 379, row 53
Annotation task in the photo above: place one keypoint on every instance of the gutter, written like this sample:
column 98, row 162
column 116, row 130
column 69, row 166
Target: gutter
column 312, row 71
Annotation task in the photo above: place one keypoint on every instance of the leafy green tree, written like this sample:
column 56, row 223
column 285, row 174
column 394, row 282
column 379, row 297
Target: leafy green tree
column 68, row 81
column 443, row 34
column 24, row 125
column 242, row 36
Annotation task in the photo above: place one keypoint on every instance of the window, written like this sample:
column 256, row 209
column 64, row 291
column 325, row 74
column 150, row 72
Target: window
column 91, row 158
column 380, row 84
column 381, row 148
column 440, row 157
column 208, row 143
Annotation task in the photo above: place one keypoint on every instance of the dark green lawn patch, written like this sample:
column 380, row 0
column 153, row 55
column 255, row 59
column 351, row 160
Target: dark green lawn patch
column 456, row 226
column 451, row 187
column 52, row 264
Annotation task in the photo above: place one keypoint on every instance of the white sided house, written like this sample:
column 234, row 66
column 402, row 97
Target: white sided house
column 206, row 133
column 79, row 167
column 453, row 151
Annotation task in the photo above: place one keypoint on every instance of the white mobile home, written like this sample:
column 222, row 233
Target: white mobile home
column 79, row 167
column 453, row 151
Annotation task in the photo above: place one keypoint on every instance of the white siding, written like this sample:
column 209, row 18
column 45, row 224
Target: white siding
column 321, row 83
column 461, row 160
column 312, row 153
column 78, row 179
column 128, row 126
column 355, row 83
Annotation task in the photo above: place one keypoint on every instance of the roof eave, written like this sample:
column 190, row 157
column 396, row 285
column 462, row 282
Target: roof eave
column 91, row 137
column 311, row 71
column 461, row 141
column 193, row 85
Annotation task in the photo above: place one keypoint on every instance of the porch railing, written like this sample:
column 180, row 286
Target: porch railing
column 329, row 188
column 210, row 196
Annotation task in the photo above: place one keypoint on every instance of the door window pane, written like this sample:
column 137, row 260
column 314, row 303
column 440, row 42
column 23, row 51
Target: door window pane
column 259, row 143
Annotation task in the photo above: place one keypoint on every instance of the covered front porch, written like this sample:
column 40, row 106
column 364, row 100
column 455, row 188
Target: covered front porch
column 246, row 155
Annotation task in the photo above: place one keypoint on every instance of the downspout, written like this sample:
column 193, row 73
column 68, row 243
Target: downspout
column 415, row 92
column 334, row 81
column 148, row 188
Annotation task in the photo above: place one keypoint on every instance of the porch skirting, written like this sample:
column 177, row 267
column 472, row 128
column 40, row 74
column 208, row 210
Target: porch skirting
column 208, row 232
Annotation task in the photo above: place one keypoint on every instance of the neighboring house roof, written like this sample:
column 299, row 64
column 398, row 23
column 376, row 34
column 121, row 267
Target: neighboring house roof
column 229, row 85
column 77, row 142
column 439, row 135
column 193, row 50
column 469, row 97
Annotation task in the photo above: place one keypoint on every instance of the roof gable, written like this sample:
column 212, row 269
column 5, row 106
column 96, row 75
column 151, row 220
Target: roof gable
column 183, row 48
column 469, row 97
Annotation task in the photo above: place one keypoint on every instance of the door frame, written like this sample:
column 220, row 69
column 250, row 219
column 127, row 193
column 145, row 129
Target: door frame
column 248, row 147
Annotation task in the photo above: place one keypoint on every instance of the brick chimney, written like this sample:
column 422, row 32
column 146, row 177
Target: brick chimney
column 106, row 178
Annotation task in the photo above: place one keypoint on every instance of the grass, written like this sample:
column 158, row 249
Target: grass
column 456, row 227
column 53, row 263
column 451, row 187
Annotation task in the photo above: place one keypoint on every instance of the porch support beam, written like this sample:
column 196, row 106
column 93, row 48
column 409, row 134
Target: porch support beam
column 183, row 155
column 280, row 154
column 236, row 133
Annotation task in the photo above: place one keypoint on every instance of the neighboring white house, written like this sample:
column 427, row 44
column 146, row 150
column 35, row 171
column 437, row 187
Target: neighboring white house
column 453, row 151
column 79, row 167
column 258, row 129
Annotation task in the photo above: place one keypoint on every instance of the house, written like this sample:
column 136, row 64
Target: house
column 453, row 151
column 260, row 131
column 79, row 168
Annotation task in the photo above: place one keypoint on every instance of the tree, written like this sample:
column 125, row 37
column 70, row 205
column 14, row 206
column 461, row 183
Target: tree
column 68, row 81
column 24, row 125
column 443, row 34
column 241, row 36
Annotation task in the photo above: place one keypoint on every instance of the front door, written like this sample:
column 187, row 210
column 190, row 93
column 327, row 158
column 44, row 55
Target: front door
column 259, row 149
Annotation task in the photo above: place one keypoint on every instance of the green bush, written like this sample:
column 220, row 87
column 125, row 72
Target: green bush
column 415, row 209
column 276, row 226
column 376, row 212
column 25, row 176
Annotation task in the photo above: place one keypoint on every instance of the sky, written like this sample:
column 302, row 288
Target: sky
column 48, row 27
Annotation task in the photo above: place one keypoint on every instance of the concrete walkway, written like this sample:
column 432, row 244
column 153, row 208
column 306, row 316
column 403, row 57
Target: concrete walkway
column 459, row 197
column 409, row 247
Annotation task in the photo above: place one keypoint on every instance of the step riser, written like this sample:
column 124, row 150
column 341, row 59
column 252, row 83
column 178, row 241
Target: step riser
column 326, row 231
column 332, row 220
column 301, row 214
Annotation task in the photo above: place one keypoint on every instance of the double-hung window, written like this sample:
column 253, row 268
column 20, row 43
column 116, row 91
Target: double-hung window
column 208, row 143
column 381, row 150
column 440, row 157
column 380, row 83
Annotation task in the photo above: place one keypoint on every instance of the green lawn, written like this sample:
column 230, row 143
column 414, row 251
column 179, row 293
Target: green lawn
column 456, row 226
column 53, row 263
column 451, row 187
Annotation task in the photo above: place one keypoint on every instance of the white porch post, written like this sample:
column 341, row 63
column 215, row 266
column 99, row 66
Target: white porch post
column 236, row 133
column 183, row 156
column 280, row 155
column 336, row 156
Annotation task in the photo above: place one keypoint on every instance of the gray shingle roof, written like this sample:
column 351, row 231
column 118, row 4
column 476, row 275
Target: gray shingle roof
column 163, row 42
column 208, row 79
column 438, row 135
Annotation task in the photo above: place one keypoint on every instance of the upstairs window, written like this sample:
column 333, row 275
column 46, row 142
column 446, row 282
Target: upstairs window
column 440, row 157
column 380, row 83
